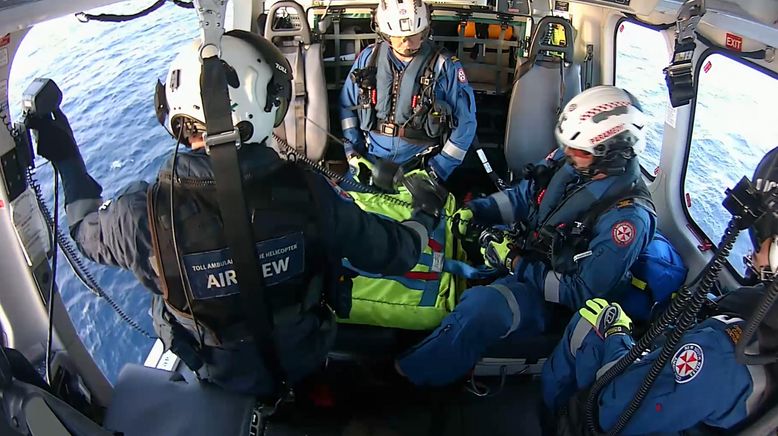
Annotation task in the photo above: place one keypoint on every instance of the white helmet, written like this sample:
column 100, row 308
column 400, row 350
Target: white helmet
column 601, row 120
column 259, row 83
column 402, row 17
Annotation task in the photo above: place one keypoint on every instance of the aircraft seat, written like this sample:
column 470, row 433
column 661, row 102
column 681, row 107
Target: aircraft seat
column 543, row 85
column 307, row 121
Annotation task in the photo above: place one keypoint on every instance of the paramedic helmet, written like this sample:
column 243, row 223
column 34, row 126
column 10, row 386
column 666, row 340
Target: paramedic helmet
column 606, row 122
column 765, row 228
column 258, row 80
column 402, row 18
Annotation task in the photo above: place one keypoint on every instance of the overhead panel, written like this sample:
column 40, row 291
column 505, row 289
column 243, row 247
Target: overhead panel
column 638, row 7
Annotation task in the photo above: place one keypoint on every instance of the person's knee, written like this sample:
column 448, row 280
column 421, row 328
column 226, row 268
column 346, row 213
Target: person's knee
column 488, row 309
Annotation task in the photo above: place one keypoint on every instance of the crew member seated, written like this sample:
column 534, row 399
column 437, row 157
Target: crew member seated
column 171, row 233
column 705, row 381
column 555, row 259
column 405, row 99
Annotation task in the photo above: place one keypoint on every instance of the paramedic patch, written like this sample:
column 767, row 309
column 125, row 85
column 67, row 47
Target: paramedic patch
column 461, row 75
column 212, row 275
column 687, row 363
column 623, row 233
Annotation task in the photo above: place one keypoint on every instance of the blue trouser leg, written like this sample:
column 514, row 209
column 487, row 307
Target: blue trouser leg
column 484, row 316
column 573, row 363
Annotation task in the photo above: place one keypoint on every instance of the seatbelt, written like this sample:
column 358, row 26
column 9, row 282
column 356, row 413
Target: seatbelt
column 222, row 140
column 679, row 75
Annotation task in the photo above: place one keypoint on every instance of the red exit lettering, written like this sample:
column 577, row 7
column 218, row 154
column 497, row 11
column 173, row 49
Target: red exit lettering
column 734, row 42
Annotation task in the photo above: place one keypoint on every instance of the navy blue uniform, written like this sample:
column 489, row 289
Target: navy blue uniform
column 117, row 232
column 451, row 87
column 701, row 383
column 515, row 305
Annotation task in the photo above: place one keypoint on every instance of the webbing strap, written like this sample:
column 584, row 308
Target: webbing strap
column 232, row 207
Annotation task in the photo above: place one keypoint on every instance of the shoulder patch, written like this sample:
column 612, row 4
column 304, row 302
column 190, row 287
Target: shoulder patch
column 687, row 363
column 734, row 333
column 623, row 233
column 461, row 75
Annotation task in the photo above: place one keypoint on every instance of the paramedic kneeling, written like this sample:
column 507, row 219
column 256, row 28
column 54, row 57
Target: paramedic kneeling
column 600, row 132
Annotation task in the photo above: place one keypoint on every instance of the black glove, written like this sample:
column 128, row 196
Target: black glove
column 55, row 137
column 429, row 196
column 387, row 174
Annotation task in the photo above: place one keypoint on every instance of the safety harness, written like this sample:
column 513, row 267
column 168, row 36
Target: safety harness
column 402, row 103
column 562, row 241
column 285, row 234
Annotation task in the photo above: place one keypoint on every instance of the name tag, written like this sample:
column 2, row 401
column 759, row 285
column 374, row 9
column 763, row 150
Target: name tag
column 211, row 274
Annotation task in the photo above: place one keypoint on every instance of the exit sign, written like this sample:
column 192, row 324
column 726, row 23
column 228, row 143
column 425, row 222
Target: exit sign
column 734, row 42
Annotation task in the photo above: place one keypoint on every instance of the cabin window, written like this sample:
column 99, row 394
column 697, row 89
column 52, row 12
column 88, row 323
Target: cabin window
column 641, row 55
column 734, row 126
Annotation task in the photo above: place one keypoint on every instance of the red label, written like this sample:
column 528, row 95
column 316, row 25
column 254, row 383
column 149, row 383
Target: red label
column 656, row 171
column 5, row 40
column 688, row 200
column 734, row 42
column 621, row 28
column 707, row 66
column 2, row 204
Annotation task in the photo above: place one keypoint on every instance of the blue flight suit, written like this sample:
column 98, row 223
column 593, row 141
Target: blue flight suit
column 451, row 87
column 117, row 232
column 515, row 305
column 701, row 383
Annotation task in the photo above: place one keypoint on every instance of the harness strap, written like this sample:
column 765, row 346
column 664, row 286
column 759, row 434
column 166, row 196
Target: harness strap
column 232, row 207
column 300, row 96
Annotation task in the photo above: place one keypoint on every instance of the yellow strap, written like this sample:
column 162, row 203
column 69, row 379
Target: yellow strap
column 640, row 284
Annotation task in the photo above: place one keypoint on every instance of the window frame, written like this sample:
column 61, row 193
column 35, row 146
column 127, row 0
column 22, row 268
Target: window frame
column 656, row 27
column 738, row 275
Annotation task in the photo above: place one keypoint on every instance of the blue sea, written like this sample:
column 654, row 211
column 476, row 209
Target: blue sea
column 108, row 71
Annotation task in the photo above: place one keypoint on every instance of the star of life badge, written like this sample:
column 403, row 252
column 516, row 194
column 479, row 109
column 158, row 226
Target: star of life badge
column 461, row 75
column 687, row 363
column 623, row 233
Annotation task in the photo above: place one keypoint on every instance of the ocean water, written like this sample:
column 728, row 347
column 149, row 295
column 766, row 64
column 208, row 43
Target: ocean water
column 107, row 72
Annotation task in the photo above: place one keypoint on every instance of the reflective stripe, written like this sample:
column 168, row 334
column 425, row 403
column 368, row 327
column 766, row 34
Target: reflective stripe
column 551, row 287
column 505, row 206
column 420, row 230
column 513, row 304
column 579, row 334
column 439, row 64
column 758, row 381
column 349, row 123
column 454, row 151
column 605, row 368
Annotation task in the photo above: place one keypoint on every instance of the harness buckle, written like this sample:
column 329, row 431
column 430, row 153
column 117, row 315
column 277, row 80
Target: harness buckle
column 223, row 138
column 389, row 129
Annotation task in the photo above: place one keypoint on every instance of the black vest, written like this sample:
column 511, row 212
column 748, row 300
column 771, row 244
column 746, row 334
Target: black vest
column 290, row 258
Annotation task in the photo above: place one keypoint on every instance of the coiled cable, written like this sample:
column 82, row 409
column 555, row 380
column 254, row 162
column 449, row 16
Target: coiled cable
column 75, row 260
